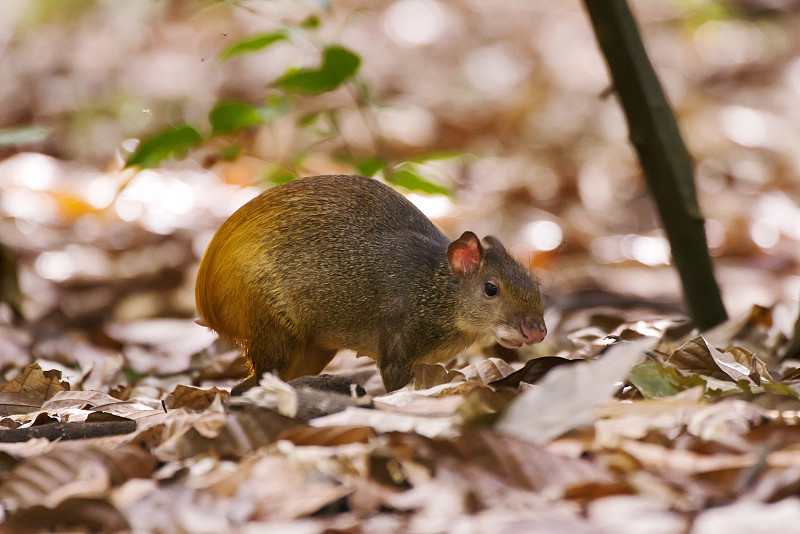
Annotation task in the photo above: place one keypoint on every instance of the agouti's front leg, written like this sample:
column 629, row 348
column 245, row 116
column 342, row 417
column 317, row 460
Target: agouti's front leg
column 395, row 365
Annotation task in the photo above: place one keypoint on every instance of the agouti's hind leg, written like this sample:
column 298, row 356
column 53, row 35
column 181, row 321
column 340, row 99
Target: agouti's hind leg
column 270, row 351
column 311, row 360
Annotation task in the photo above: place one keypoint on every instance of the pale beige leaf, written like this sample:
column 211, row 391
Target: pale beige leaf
column 565, row 398
column 636, row 514
column 78, row 399
column 750, row 517
column 428, row 375
column 381, row 421
column 487, row 370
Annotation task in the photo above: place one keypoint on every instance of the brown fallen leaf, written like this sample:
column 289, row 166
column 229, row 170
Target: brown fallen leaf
column 72, row 471
column 71, row 515
column 700, row 357
column 327, row 436
column 519, row 462
column 193, row 398
column 30, row 390
column 239, row 433
column 15, row 403
column 758, row 369
column 695, row 356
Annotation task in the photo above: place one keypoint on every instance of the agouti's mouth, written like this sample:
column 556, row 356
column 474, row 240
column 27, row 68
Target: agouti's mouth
column 510, row 343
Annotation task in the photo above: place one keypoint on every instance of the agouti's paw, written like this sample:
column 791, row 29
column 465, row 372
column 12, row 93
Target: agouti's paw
column 326, row 382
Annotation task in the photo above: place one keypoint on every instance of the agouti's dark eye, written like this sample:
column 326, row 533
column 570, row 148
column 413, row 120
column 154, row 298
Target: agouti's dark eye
column 490, row 289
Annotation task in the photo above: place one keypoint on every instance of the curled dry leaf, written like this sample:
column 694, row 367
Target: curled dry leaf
column 73, row 471
column 519, row 462
column 28, row 391
column 428, row 375
column 193, row 398
column 240, row 433
column 696, row 356
column 71, row 515
column 487, row 370
column 83, row 400
column 758, row 369
column 735, row 364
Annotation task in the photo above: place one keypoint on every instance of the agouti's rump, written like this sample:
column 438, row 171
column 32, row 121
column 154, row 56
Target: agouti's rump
column 331, row 262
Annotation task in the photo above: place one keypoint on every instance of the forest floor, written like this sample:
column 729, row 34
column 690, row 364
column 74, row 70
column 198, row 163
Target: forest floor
column 115, row 411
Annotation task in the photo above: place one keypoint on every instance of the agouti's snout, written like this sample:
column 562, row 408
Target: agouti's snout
column 532, row 329
column 331, row 262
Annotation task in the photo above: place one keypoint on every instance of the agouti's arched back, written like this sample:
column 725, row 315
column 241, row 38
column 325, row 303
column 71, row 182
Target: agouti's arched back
column 331, row 262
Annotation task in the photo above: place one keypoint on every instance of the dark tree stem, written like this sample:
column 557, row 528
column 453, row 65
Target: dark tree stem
column 665, row 161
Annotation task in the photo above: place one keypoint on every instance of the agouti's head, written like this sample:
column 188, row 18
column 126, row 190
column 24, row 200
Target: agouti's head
column 499, row 296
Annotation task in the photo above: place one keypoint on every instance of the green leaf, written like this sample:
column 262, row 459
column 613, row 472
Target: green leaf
column 655, row 380
column 170, row 142
column 412, row 180
column 24, row 135
column 275, row 107
column 254, row 43
column 369, row 167
column 338, row 64
column 779, row 389
column 309, row 118
column 310, row 23
column 230, row 152
column 281, row 176
column 231, row 117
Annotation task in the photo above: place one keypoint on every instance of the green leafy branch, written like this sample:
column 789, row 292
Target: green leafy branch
column 338, row 67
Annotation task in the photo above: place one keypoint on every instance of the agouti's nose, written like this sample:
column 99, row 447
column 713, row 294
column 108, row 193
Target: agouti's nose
column 532, row 329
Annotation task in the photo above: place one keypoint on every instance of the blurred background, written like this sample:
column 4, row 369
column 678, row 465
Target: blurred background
column 503, row 104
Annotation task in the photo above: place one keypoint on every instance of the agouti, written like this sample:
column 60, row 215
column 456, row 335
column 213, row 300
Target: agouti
column 345, row 262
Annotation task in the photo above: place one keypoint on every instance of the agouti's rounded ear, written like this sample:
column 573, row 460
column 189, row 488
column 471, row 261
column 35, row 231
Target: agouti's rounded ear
column 494, row 243
column 464, row 254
